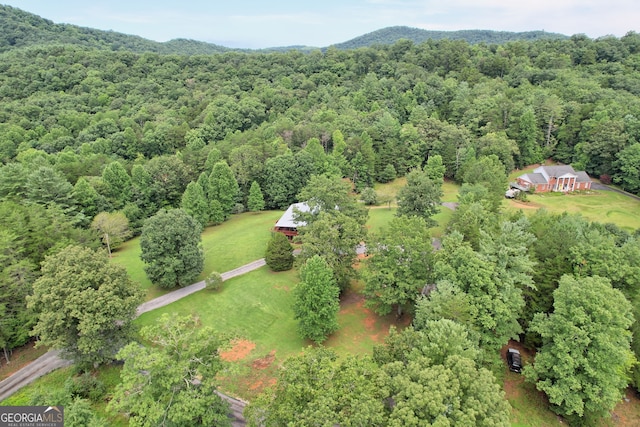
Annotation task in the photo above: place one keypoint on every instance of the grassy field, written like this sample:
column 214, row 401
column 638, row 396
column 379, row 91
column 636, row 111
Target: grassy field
column 596, row 205
column 238, row 241
column 256, row 307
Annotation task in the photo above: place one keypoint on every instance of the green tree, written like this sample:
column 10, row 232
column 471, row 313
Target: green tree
column 588, row 336
column 419, row 197
column 87, row 197
column 334, row 237
column 279, row 254
column 173, row 380
column 530, row 151
column 194, row 202
column 330, row 194
column 432, row 379
column 435, row 169
column 351, row 394
column 118, row 184
column 171, row 248
column 495, row 305
column 316, row 302
column 223, row 187
column 369, row 196
column 85, row 305
column 255, row 202
column 489, row 172
column 45, row 186
column 399, row 266
column 113, row 228
column 628, row 165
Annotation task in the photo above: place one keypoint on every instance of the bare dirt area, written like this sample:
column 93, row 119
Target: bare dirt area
column 264, row 362
column 240, row 349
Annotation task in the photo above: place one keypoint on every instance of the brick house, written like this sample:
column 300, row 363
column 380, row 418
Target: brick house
column 555, row 178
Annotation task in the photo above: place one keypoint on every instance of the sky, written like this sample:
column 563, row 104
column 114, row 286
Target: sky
column 258, row 24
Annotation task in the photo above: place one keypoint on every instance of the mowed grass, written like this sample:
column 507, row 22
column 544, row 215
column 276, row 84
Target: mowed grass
column 596, row 205
column 238, row 241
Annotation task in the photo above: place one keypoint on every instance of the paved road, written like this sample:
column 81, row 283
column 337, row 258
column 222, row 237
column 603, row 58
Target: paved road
column 51, row 361
column 599, row 186
column 174, row 296
column 39, row 367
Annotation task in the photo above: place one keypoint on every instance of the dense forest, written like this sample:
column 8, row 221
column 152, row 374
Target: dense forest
column 86, row 131
column 390, row 35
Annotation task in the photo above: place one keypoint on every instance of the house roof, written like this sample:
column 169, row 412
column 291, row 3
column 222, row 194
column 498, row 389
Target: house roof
column 287, row 218
column 543, row 174
column 534, row 178
column 555, row 171
column 583, row 177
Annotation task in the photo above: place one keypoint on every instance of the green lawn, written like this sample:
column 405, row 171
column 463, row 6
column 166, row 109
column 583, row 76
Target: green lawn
column 238, row 241
column 595, row 205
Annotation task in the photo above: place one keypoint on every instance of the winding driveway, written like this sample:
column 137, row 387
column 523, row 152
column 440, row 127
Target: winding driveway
column 51, row 360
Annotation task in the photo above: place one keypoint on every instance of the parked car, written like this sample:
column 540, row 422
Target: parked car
column 514, row 361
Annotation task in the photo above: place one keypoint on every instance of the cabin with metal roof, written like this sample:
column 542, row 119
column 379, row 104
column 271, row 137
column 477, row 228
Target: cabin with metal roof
column 287, row 224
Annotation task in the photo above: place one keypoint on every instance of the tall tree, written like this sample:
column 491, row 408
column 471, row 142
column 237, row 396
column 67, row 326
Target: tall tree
column 194, row 202
column 489, row 172
column 255, row 201
column 118, row 184
column 399, row 266
column 316, row 302
column 432, row 379
column 588, row 337
column 113, row 228
column 223, row 187
column 419, row 197
column 85, row 305
column 173, row 380
column 351, row 393
column 171, row 248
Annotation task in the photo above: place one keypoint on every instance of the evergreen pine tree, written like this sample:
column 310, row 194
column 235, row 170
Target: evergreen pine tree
column 279, row 255
column 256, row 200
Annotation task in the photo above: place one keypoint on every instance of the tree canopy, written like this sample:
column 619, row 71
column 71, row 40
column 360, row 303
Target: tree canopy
column 85, row 305
column 171, row 248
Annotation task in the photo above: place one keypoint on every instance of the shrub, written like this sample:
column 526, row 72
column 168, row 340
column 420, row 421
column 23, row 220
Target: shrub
column 605, row 179
column 279, row 254
column 238, row 208
column 214, row 281
column 85, row 386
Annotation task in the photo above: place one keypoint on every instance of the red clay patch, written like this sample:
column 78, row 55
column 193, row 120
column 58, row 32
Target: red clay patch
column 264, row 362
column 240, row 349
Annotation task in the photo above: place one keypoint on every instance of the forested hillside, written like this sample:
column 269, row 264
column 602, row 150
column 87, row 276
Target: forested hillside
column 22, row 29
column 89, row 135
column 391, row 35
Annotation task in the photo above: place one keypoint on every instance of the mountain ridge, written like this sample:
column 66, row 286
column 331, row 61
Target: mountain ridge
column 19, row 29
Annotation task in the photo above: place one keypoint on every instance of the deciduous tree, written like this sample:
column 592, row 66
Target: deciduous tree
column 113, row 228
column 171, row 248
column 316, row 302
column 173, row 380
column 585, row 359
column 399, row 266
column 419, row 197
column 85, row 305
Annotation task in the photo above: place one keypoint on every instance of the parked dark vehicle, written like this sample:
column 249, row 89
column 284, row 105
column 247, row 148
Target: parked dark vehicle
column 514, row 361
